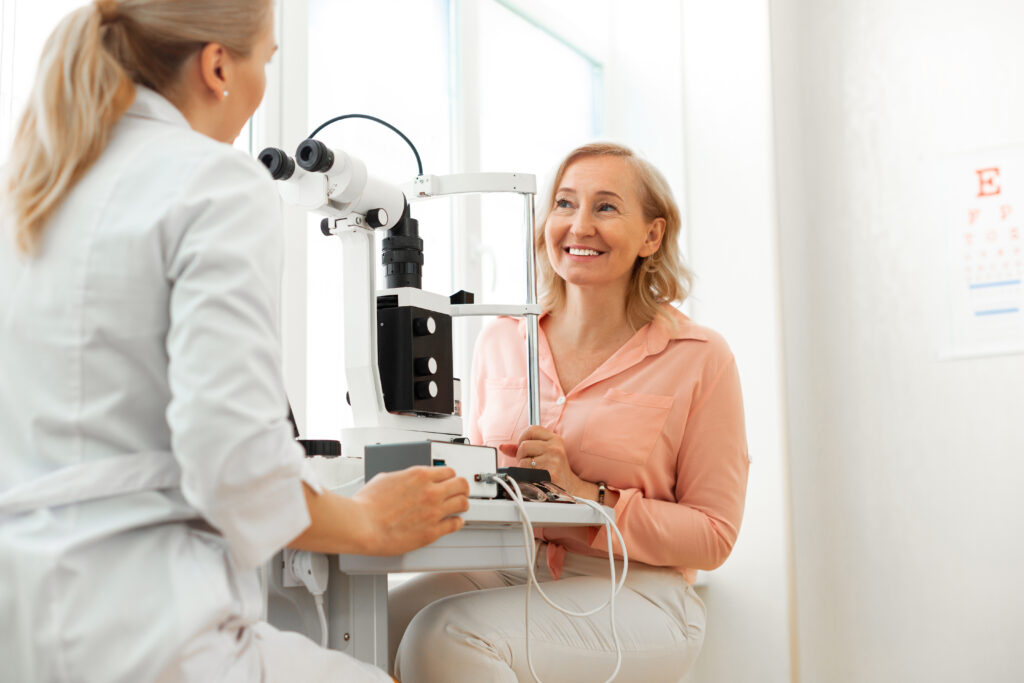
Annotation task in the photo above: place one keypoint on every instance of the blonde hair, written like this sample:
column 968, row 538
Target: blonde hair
column 86, row 81
column 657, row 279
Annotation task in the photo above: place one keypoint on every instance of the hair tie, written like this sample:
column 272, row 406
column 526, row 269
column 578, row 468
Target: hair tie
column 108, row 11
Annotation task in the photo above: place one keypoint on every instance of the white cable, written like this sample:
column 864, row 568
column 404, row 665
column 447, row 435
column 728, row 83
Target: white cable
column 343, row 488
column 609, row 527
column 517, row 497
column 319, row 600
column 357, row 480
column 532, row 582
column 311, row 570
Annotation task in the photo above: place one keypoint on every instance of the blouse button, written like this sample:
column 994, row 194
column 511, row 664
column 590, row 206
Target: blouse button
column 560, row 401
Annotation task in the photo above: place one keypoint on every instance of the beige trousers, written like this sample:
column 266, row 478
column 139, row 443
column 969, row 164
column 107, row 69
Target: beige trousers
column 470, row 626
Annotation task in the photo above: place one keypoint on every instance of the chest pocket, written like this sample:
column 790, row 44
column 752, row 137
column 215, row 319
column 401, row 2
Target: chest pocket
column 503, row 407
column 626, row 426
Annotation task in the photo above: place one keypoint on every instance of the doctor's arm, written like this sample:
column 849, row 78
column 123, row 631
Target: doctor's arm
column 394, row 513
column 241, row 467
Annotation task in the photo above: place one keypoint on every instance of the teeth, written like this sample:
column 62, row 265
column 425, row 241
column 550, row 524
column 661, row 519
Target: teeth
column 583, row 252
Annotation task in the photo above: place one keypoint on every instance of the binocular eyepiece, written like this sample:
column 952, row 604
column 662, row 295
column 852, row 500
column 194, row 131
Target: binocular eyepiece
column 402, row 255
column 312, row 155
column 280, row 165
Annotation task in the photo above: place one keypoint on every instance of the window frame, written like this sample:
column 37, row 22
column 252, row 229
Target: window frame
column 467, row 246
column 283, row 117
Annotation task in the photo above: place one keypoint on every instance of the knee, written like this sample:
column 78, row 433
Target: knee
column 446, row 638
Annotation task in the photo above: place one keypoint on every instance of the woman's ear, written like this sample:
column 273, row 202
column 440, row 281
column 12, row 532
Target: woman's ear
column 213, row 66
column 655, row 233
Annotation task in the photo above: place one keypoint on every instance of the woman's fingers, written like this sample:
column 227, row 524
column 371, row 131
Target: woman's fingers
column 536, row 433
column 531, row 449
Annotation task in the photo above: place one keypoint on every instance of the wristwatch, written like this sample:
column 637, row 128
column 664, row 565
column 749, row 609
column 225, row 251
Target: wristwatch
column 601, row 488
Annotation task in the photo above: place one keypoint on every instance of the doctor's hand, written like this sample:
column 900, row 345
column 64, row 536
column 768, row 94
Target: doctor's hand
column 543, row 449
column 394, row 513
column 411, row 508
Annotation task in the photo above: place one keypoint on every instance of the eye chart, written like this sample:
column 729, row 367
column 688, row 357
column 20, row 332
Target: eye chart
column 984, row 215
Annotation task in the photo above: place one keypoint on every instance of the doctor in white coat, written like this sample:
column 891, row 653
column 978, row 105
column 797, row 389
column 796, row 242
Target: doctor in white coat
column 147, row 468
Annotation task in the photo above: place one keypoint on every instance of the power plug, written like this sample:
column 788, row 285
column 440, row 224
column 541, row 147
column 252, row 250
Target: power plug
column 303, row 568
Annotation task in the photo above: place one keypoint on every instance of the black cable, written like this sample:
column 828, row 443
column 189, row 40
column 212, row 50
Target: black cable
column 323, row 125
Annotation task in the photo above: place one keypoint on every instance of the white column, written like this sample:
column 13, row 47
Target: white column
column 285, row 124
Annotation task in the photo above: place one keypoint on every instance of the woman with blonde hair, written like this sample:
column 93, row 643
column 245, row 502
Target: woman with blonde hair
column 640, row 410
column 147, row 467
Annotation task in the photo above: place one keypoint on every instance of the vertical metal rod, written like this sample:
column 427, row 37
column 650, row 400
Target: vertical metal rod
column 532, row 331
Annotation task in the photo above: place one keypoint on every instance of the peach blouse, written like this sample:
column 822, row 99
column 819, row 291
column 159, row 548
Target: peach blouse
column 661, row 422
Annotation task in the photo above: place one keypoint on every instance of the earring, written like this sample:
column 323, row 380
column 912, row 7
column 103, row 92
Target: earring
column 225, row 93
column 651, row 263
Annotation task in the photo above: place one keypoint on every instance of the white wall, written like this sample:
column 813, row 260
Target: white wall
column 688, row 86
column 730, row 212
column 906, row 470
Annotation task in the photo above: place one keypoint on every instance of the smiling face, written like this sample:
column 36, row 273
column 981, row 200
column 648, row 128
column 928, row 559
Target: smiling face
column 596, row 229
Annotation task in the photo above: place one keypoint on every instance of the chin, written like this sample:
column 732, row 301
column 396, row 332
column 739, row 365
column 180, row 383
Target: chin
column 578, row 280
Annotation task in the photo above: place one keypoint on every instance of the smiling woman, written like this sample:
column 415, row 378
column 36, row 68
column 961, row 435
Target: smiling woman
column 640, row 410
column 653, row 271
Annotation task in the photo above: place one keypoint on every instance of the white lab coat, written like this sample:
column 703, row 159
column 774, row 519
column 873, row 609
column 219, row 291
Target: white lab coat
column 146, row 465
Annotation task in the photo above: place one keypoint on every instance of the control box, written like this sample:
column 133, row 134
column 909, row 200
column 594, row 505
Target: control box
column 467, row 461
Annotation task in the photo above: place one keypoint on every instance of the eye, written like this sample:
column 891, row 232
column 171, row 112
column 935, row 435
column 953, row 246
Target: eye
column 605, row 206
column 563, row 203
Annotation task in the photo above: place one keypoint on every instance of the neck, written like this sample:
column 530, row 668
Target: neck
column 195, row 102
column 589, row 321
column 200, row 118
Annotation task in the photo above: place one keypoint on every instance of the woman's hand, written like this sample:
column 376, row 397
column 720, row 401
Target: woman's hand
column 543, row 449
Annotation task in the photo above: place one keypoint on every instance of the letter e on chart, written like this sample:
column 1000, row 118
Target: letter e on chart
column 988, row 182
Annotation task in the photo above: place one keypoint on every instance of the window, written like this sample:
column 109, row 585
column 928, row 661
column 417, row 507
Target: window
column 447, row 91
column 533, row 110
column 398, row 71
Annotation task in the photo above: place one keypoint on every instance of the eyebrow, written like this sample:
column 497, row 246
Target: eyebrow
column 608, row 193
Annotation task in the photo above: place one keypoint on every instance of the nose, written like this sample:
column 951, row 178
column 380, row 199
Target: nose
column 581, row 226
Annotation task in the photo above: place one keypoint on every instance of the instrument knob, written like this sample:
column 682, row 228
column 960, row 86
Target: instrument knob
column 425, row 366
column 425, row 390
column 422, row 327
column 376, row 218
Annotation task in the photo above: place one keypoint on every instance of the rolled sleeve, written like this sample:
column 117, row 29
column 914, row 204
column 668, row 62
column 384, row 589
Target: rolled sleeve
column 241, row 468
column 699, row 529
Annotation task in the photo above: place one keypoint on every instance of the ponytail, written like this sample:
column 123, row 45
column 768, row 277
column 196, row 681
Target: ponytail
column 80, row 93
column 86, row 82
